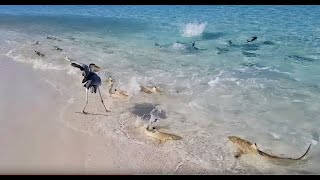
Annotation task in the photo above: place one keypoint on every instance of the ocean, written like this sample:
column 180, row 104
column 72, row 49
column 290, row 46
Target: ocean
column 267, row 90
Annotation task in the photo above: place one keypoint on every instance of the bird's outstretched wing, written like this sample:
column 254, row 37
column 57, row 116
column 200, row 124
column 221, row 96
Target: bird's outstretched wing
column 81, row 66
column 77, row 66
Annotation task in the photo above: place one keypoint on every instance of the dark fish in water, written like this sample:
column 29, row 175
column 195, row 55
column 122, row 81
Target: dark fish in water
column 222, row 50
column 193, row 45
column 184, row 46
column 36, row 43
column 268, row 43
column 158, row 45
column 53, row 38
column 246, row 147
column 72, row 38
column 39, row 54
column 248, row 54
column 57, row 48
column 253, row 65
column 253, row 39
column 301, row 59
column 108, row 51
column 250, row 47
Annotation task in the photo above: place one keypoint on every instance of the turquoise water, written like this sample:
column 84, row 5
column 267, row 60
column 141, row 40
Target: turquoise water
column 266, row 90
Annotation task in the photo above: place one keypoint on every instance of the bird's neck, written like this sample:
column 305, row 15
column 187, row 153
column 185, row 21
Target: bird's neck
column 91, row 69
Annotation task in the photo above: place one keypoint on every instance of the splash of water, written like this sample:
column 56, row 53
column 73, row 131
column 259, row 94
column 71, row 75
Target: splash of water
column 155, row 114
column 133, row 86
column 194, row 29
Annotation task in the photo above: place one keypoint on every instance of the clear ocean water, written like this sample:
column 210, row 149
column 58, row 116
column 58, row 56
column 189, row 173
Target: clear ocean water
column 267, row 90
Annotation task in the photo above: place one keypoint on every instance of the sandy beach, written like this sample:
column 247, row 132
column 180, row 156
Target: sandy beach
column 32, row 139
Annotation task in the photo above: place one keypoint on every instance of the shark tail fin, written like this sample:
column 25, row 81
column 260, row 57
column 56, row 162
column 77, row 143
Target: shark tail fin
column 67, row 59
column 304, row 153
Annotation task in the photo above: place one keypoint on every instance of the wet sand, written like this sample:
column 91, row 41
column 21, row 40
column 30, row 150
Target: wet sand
column 34, row 139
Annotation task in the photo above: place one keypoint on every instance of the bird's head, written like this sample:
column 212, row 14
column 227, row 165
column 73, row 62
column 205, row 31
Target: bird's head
column 110, row 80
column 94, row 67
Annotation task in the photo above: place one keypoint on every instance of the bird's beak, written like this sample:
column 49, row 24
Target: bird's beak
column 97, row 68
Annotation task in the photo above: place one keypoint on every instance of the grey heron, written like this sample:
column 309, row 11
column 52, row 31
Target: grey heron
column 91, row 79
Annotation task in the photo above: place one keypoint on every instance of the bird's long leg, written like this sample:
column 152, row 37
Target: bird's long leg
column 86, row 102
column 102, row 100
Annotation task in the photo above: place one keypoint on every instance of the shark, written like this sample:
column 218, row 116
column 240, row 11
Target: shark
column 246, row 147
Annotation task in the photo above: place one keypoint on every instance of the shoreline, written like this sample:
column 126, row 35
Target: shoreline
column 51, row 137
column 34, row 141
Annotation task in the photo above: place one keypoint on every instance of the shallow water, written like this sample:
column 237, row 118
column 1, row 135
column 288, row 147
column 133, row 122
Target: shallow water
column 266, row 90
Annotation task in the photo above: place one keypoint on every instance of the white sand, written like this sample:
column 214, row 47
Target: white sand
column 31, row 138
column 34, row 140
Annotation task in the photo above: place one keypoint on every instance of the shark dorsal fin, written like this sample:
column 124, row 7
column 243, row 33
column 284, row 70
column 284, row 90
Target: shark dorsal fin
column 254, row 146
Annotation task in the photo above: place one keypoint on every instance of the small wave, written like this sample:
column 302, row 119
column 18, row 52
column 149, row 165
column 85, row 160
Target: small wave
column 53, row 85
column 178, row 46
column 314, row 142
column 195, row 105
column 38, row 64
column 216, row 80
column 297, row 101
column 132, row 86
column 261, row 68
column 47, row 66
column 213, row 82
column 194, row 29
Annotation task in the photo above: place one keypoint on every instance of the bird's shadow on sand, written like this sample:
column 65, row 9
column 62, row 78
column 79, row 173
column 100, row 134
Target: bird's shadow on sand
column 93, row 114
